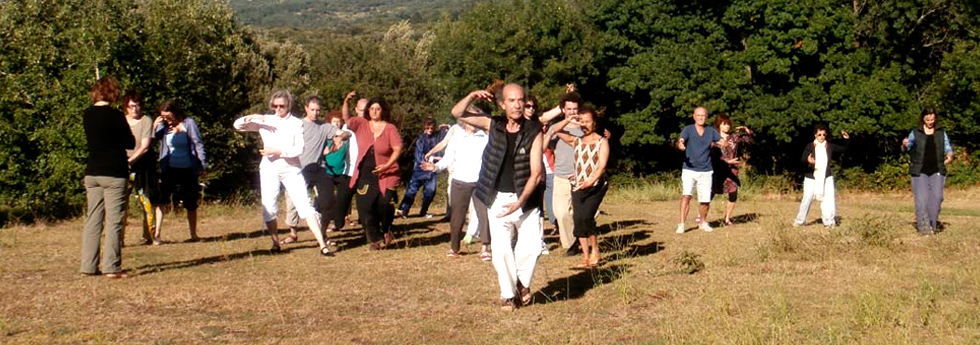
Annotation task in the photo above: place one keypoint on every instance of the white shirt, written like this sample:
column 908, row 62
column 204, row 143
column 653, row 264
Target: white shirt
column 465, row 154
column 351, row 152
column 284, row 134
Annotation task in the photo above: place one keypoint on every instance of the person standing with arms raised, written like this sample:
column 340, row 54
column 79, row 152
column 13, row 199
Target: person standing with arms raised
column 696, row 142
column 511, row 172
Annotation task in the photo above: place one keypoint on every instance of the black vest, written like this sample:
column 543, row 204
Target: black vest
column 493, row 158
column 919, row 151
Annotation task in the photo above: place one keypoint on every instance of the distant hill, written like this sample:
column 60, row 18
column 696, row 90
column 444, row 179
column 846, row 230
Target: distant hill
column 344, row 16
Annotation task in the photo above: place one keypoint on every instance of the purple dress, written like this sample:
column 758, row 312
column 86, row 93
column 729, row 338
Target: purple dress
column 726, row 175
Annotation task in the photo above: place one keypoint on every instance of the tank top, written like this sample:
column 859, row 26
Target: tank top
column 586, row 159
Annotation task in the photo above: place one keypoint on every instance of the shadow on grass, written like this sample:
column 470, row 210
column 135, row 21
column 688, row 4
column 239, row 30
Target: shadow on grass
column 576, row 285
column 739, row 219
column 625, row 245
column 162, row 267
column 620, row 224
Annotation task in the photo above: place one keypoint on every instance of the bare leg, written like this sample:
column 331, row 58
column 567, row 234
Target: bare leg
column 192, row 224
column 703, row 211
column 584, row 243
column 594, row 257
column 273, row 227
column 728, row 211
column 159, row 211
column 685, row 207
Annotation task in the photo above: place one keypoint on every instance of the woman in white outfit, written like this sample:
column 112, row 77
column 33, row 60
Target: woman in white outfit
column 819, row 182
column 282, row 140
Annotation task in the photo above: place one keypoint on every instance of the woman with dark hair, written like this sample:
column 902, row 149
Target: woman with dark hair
column 142, row 171
column 182, row 161
column 589, row 186
column 107, row 137
column 926, row 144
column 819, row 181
column 339, row 169
column 726, row 162
column 376, row 174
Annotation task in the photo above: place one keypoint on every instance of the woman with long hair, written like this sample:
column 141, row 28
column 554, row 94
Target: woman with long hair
column 589, row 185
column 107, row 137
column 930, row 151
column 376, row 174
column 182, row 162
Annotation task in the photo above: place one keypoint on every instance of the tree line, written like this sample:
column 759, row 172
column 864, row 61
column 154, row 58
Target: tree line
column 779, row 67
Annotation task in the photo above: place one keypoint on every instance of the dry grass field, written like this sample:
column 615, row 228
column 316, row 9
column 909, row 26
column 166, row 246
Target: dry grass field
column 870, row 281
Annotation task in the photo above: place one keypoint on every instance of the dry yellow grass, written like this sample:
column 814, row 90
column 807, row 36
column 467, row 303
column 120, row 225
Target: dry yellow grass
column 872, row 281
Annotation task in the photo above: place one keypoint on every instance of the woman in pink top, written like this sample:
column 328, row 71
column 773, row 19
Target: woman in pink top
column 376, row 174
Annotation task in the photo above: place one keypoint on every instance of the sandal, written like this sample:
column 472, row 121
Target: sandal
column 325, row 251
column 584, row 265
column 276, row 249
column 117, row 275
column 452, row 254
column 729, row 223
column 594, row 259
column 389, row 238
column 507, row 304
column 375, row 246
column 524, row 293
column 485, row 256
column 288, row 240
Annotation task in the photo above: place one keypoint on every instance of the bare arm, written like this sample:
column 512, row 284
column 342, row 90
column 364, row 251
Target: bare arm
column 550, row 114
column 439, row 147
column 462, row 110
column 532, row 181
column 558, row 129
column 345, row 108
column 397, row 152
column 143, row 147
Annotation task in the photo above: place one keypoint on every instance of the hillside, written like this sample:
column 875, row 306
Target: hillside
column 345, row 16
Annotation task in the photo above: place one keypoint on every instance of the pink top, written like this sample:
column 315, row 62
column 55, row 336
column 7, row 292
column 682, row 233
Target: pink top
column 383, row 149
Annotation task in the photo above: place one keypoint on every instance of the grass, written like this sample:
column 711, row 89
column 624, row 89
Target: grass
column 870, row 281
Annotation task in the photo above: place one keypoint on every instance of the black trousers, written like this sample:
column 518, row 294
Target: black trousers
column 339, row 195
column 375, row 210
column 585, row 203
column 462, row 193
column 316, row 177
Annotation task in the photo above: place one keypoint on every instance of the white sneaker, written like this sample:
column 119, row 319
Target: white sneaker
column 705, row 227
column 680, row 228
column 544, row 249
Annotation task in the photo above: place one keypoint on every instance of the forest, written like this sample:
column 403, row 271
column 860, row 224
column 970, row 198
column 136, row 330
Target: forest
column 779, row 67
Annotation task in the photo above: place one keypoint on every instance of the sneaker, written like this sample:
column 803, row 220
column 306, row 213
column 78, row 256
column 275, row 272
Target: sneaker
column 399, row 214
column 680, row 228
column 452, row 254
column 468, row 239
column 697, row 221
column 796, row 225
column 429, row 216
column 544, row 249
column 485, row 256
column 705, row 227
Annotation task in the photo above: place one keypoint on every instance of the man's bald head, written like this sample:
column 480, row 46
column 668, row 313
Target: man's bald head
column 361, row 107
column 700, row 116
column 511, row 100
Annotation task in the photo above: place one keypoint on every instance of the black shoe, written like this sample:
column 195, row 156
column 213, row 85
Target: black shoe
column 573, row 250
column 325, row 251
column 275, row 249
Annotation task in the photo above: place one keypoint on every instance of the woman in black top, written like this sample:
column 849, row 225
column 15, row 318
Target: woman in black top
column 930, row 151
column 108, row 137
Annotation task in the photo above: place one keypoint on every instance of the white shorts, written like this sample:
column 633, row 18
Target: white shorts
column 701, row 181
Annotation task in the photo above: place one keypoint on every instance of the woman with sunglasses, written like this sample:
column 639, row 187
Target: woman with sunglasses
column 819, row 181
column 282, row 144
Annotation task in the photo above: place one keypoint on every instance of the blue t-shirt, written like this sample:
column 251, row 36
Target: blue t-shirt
column 698, row 147
column 180, row 149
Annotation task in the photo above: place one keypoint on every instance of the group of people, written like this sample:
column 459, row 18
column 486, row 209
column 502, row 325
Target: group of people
column 506, row 172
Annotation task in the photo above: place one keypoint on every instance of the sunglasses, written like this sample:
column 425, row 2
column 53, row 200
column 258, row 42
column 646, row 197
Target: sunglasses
column 529, row 106
column 278, row 106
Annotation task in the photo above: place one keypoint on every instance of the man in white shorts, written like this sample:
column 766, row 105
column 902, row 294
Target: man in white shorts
column 696, row 142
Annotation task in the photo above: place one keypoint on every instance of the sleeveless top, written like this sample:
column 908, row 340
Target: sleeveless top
column 586, row 159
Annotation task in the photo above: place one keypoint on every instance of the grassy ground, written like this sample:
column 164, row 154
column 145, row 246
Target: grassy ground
column 872, row 281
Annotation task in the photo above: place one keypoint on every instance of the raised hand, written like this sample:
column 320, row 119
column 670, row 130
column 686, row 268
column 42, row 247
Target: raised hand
column 350, row 95
column 569, row 88
column 845, row 135
column 482, row 95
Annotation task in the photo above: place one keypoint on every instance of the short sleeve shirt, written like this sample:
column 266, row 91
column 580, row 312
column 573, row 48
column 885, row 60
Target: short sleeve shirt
column 315, row 136
column 141, row 130
column 565, row 153
column 698, row 147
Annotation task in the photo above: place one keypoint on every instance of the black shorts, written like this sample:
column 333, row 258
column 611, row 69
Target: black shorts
column 179, row 185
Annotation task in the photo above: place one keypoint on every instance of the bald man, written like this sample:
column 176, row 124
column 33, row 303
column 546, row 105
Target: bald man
column 696, row 142
column 512, row 167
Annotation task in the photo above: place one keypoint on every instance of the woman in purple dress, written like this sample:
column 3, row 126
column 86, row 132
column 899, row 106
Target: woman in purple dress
column 726, row 162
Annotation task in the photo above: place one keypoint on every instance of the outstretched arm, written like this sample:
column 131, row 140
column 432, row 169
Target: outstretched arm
column 464, row 112
column 439, row 147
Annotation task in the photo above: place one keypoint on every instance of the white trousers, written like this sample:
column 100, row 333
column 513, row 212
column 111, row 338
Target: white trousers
column 561, row 196
column 828, row 207
column 292, row 179
column 517, row 263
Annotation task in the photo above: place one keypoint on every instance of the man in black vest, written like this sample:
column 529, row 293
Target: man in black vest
column 511, row 171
